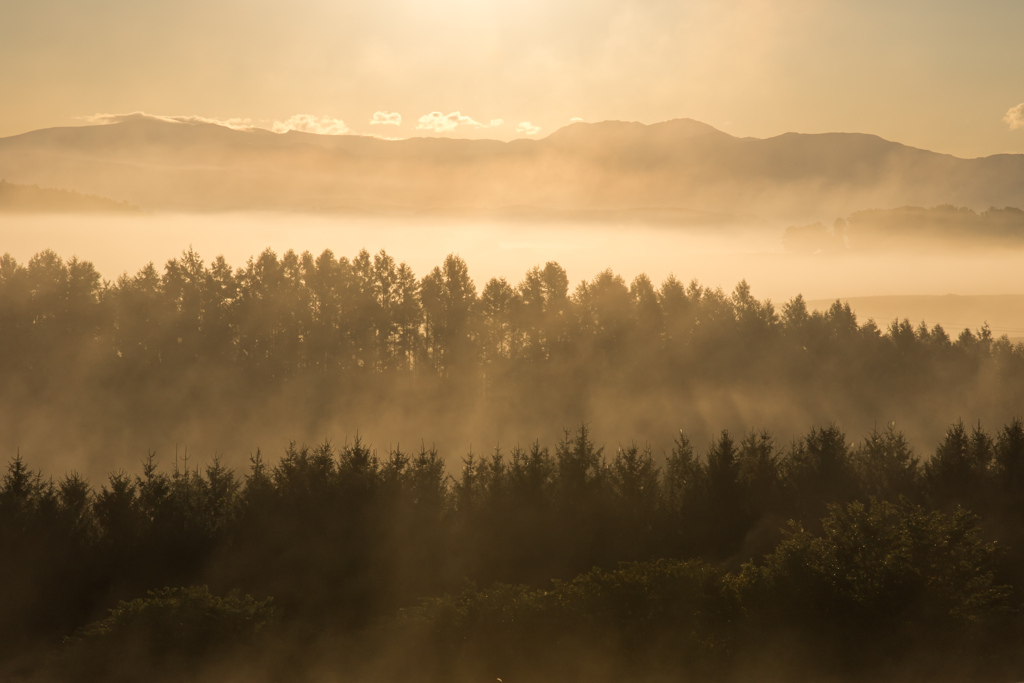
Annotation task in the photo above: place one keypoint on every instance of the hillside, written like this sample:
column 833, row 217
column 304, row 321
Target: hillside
column 608, row 166
column 35, row 199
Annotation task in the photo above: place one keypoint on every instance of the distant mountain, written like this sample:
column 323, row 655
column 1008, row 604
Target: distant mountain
column 35, row 199
column 692, row 170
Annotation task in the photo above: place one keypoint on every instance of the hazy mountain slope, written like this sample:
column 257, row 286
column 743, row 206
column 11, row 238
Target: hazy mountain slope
column 34, row 199
column 609, row 165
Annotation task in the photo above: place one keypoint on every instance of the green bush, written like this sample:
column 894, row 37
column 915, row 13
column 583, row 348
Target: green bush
column 882, row 582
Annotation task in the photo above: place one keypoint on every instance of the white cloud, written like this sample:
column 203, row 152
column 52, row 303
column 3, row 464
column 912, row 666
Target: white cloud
column 444, row 123
column 575, row 119
column 386, row 118
column 1015, row 117
column 107, row 119
column 305, row 123
column 308, row 123
column 527, row 128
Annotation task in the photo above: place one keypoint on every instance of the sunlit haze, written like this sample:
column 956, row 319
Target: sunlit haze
column 492, row 248
column 940, row 75
column 528, row 341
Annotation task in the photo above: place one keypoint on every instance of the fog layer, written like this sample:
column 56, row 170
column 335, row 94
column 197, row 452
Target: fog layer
column 507, row 248
column 214, row 357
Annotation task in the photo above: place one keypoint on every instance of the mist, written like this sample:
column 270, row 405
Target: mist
column 94, row 420
column 716, row 256
column 516, row 341
column 502, row 448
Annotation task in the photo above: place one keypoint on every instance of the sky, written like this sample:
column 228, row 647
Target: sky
column 939, row 74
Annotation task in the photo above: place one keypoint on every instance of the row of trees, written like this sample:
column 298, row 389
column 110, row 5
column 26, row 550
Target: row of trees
column 343, row 536
column 219, row 357
column 284, row 315
column 883, row 591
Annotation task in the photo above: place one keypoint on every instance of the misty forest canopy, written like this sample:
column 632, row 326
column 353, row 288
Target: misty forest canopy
column 302, row 345
column 911, row 228
column 573, row 561
column 562, row 557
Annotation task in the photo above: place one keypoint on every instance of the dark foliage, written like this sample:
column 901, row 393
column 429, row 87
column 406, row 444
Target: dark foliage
column 298, row 344
column 173, row 630
column 880, row 573
column 342, row 538
column 885, row 591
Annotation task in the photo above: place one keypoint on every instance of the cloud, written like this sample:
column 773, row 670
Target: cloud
column 575, row 119
column 1015, row 117
column 308, row 123
column 386, row 118
column 444, row 123
column 305, row 123
column 108, row 119
column 527, row 128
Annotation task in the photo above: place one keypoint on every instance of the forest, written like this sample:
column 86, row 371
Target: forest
column 295, row 346
column 834, row 543
column 821, row 557
column 511, row 341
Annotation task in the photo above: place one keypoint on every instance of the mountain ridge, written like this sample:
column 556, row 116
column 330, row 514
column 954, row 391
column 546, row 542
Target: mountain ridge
column 34, row 199
column 608, row 165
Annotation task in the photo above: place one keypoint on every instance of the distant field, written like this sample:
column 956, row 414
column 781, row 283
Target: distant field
column 1004, row 313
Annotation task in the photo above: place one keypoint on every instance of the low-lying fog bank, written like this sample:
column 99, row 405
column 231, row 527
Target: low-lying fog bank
column 508, row 248
column 224, row 357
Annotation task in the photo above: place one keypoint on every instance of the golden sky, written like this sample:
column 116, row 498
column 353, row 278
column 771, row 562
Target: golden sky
column 939, row 74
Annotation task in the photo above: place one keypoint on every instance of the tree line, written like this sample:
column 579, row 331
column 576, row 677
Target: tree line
column 298, row 339
column 341, row 537
column 275, row 317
